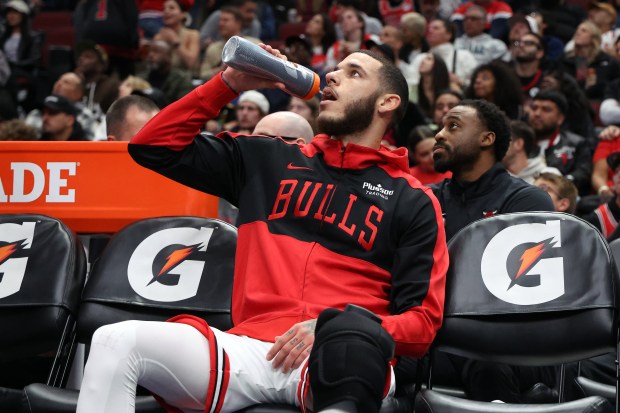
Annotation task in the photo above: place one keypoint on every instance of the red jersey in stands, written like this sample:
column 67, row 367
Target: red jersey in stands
column 495, row 9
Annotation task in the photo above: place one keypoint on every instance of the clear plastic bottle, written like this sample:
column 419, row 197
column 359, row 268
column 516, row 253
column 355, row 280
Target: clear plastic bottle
column 246, row 56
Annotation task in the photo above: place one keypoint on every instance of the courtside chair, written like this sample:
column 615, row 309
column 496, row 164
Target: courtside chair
column 42, row 273
column 135, row 279
column 530, row 289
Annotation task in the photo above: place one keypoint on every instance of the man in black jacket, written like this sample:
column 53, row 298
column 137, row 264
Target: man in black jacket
column 474, row 139
column 472, row 142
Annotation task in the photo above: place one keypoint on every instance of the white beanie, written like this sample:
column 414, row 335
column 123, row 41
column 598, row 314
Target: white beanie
column 257, row 98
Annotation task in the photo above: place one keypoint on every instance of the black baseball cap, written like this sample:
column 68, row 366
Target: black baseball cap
column 60, row 104
column 299, row 38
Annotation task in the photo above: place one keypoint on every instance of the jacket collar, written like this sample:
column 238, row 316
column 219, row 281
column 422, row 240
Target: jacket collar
column 354, row 156
column 483, row 185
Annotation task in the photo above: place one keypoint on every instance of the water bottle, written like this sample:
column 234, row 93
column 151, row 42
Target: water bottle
column 246, row 56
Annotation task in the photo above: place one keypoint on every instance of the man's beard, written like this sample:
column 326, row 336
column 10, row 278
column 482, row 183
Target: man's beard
column 358, row 117
column 545, row 131
column 454, row 162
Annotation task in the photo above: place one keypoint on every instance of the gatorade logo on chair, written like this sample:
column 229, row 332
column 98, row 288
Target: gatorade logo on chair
column 520, row 265
column 167, row 266
column 15, row 240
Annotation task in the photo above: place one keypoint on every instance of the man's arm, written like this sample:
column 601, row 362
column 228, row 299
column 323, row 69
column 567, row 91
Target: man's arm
column 418, row 277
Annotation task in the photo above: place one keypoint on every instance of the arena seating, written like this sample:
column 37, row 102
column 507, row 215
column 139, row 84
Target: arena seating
column 531, row 289
column 42, row 273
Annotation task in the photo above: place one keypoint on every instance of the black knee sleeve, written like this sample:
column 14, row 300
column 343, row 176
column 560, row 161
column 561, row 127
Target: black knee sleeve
column 349, row 359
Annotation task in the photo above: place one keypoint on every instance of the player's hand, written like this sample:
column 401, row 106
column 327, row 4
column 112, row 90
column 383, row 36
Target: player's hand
column 292, row 347
column 609, row 133
column 242, row 81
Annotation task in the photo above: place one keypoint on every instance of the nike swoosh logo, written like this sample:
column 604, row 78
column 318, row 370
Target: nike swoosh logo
column 291, row 166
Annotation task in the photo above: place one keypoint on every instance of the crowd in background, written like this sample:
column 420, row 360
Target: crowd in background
column 552, row 66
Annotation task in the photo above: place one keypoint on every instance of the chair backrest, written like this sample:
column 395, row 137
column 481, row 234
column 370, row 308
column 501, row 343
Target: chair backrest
column 157, row 268
column 42, row 273
column 614, row 246
column 530, row 289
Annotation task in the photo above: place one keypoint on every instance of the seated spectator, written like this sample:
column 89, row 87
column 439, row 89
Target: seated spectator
column 70, row 86
column 446, row 100
column 22, row 47
column 391, row 11
column 580, row 115
column 562, row 191
column 354, row 38
column 173, row 82
column 17, row 130
column 482, row 45
column 434, row 78
column 289, row 126
column 609, row 111
column 420, row 145
column 460, row 63
column 131, row 84
column 498, row 13
column 393, row 37
column 372, row 25
column 587, row 63
column 602, row 175
column 127, row 116
column 251, row 107
column 568, row 152
column 59, row 120
column 606, row 217
column 184, row 41
column 321, row 32
column 554, row 47
column 604, row 15
column 528, row 57
column 518, row 26
column 231, row 23
column 8, row 100
column 523, row 159
column 101, row 89
column 309, row 109
column 413, row 27
column 209, row 31
column 497, row 83
column 562, row 17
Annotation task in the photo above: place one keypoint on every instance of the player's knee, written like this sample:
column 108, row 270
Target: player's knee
column 118, row 338
column 349, row 360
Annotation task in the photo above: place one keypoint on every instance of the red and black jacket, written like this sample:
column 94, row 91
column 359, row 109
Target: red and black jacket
column 320, row 225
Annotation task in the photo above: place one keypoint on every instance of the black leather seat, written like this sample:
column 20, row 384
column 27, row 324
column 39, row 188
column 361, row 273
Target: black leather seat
column 532, row 289
column 42, row 273
column 152, row 270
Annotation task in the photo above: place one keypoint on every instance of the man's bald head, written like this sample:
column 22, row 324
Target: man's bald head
column 287, row 124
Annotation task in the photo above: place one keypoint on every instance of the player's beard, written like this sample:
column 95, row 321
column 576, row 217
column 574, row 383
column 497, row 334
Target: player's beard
column 358, row 117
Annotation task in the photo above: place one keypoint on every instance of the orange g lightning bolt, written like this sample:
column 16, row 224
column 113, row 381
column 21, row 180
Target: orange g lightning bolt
column 529, row 257
column 176, row 257
column 6, row 251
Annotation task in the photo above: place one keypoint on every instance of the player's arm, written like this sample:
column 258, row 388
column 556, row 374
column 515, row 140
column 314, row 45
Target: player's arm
column 418, row 276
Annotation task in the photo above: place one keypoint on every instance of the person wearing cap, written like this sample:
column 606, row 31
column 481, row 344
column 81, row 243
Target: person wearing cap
column 185, row 42
column 173, row 82
column 71, row 86
column 59, row 120
column 604, row 16
column 230, row 24
column 568, row 152
column 22, row 47
column 498, row 13
column 251, row 107
column 482, row 45
column 101, row 89
column 299, row 50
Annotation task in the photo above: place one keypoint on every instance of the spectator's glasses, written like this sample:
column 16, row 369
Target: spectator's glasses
column 528, row 43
